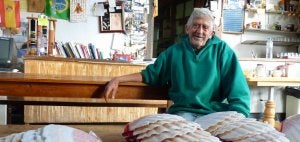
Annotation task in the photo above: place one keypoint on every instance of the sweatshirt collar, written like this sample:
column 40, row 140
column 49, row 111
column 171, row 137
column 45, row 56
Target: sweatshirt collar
column 213, row 40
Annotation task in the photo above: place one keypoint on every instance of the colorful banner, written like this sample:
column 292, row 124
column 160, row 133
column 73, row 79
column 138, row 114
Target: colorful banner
column 10, row 13
column 59, row 9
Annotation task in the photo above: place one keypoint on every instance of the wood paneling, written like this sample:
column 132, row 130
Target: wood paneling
column 82, row 67
column 78, row 67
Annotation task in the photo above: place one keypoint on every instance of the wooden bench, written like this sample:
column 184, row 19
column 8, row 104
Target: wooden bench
column 31, row 89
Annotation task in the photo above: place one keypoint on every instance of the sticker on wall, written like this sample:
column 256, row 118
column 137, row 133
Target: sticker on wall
column 59, row 9
column 78, row 11
column 36, row 6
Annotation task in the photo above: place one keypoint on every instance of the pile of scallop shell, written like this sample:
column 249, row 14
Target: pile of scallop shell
column 165, row 128
column 232, row 126
column 52, row 133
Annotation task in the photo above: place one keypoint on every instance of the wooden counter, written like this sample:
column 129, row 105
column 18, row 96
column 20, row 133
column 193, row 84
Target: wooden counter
column 79, row 67
column 274, row 81
column 136, row 99
column 19, row 84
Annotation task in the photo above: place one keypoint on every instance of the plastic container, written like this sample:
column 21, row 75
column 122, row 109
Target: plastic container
column 269, row 48
column 260, row 70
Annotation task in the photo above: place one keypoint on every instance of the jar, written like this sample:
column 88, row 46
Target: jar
column 260, row 70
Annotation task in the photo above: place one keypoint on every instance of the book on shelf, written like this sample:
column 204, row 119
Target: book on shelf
column 99, row 54
column 67, row 50
column 77, row 50
column 89, row 52
column 68, row 47
column 77, row 46
column 73, row 49
column 60, row 48
column 85, row 52
column 93, row 51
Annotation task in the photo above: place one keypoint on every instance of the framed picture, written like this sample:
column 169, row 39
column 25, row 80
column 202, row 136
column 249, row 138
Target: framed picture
column 113, row 19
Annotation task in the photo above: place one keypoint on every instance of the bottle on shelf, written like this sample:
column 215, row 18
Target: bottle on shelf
column 269, row 48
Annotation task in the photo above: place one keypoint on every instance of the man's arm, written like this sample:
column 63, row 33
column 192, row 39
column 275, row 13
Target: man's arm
column 112, row 87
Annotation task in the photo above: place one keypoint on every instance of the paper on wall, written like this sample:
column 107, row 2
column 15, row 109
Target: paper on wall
column 90, row 6
column 112, row 3
column 99, row 9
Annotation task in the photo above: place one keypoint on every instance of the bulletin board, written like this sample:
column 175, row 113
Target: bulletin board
column 113, row 20
column 233, row 16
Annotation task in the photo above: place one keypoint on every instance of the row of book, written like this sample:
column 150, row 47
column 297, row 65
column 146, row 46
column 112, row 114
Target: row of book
column 78, row 50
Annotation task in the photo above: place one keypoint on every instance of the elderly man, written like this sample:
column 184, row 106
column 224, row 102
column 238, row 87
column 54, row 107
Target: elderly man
column 202, row 73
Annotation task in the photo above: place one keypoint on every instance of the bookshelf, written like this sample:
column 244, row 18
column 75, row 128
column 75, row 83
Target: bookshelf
column 41, row 35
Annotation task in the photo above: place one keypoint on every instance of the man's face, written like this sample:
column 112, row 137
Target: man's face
column 199, row 32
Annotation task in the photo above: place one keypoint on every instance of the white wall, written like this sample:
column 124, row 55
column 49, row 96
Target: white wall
column 83, row 33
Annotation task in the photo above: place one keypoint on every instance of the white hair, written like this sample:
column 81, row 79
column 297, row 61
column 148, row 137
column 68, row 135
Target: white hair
column 200, row 13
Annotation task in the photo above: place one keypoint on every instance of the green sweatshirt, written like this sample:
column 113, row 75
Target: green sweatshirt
column 200, row 83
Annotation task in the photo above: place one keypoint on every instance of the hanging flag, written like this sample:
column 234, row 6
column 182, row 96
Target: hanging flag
column 59, row 9
column 10, row 13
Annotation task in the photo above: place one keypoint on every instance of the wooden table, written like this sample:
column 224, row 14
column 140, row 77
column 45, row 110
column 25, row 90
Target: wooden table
column 271, row 82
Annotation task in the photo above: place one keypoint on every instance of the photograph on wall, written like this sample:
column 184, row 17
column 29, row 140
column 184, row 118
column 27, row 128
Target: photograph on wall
column 113, row 20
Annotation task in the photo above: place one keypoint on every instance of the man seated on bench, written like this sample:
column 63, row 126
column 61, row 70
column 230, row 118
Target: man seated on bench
column 201, row 72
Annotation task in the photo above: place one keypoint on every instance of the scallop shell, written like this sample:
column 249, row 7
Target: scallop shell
column 51, row 133
column 164, row 128
column 247, row 130
column 197, row 136
column 162, row 125
column 272, row 136
column 234, row 127
column 146, row 120
column 291, row 128
column 248, row 124
column 176, row 130
column 214, row 119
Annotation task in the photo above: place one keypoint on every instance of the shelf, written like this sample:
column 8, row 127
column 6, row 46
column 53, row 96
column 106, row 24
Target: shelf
column 275, row 43
column 292, row 41
column 283, row 12
column 275, row 12
column 270, row 60
column 271, row 31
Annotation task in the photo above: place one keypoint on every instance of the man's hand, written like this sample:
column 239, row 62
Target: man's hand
column 112, row 86
column 111, row 89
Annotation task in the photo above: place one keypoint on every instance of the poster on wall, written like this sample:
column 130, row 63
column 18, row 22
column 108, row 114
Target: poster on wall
column 233, row 16
column 78, row 11
column 35, row 6
column 112, row 21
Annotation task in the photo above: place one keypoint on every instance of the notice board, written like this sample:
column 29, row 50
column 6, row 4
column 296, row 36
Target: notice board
column 233, row 16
